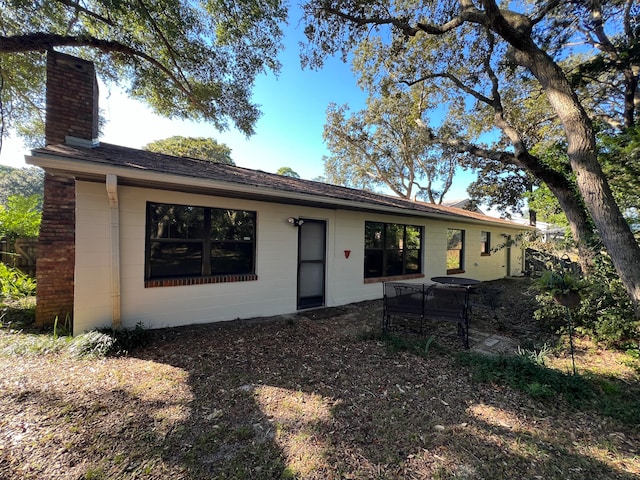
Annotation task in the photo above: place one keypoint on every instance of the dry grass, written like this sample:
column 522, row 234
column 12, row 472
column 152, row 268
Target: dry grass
column 315, row 396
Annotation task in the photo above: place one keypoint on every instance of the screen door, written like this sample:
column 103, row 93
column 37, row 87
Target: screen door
column 311, row 263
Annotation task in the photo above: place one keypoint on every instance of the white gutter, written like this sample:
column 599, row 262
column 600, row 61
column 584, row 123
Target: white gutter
column 112, row 193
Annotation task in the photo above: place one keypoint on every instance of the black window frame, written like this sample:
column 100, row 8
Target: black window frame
column 461, row 251
column 204, row 242
column 485, row 243
column 386, row 250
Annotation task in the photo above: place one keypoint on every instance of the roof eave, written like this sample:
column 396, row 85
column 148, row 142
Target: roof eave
column 135, row 176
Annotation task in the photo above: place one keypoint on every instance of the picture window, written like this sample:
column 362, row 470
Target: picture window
column 392, row 249
column 191, row 241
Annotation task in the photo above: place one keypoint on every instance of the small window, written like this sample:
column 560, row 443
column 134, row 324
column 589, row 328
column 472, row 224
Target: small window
column 391, row 249
column 485, row 243
column 187, row 241
column 455, row 250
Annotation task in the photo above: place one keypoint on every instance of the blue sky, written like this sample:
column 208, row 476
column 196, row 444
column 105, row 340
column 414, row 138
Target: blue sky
column 288, row 134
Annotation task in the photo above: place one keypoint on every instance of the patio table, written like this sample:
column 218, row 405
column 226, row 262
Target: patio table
column 464, row 282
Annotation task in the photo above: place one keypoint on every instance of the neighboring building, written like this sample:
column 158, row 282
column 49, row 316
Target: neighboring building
column 132, row 236
column 464, row 204
column 546, row 232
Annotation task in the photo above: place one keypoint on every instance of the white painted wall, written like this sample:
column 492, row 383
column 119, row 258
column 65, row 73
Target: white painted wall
column 92, row 300
column 277, row 245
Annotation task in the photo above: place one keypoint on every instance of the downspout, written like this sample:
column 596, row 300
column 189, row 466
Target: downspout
column 112, row 193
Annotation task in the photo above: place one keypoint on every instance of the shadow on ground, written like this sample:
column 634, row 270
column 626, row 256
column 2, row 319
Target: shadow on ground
column 310, row 396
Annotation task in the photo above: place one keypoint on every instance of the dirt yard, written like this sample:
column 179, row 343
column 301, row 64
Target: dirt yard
column 317, row 395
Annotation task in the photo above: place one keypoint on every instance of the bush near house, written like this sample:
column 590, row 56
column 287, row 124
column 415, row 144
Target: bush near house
column 20, row 218
column 15, row 284
column 605, row 313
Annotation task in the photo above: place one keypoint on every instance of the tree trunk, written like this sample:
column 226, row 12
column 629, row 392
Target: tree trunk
column 569, row 202
column 630, row 88
column 579, row 224
column 558, row 183
column 592, row 184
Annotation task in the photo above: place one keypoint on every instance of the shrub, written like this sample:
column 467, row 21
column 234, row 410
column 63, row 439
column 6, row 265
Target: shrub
column 126, row 339
column 108, row 341
column 605, row 313
column 14, row 283
column 21, row 216
column 91, row 344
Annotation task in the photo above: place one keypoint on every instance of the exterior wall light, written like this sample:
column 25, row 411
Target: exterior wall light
column 296, row 222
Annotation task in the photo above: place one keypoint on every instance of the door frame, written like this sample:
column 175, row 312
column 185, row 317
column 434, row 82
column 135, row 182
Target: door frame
column 319, row 301
column 508, row 254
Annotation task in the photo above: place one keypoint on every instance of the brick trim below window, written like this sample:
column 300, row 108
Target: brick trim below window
column 394, row 278
column 180, row 282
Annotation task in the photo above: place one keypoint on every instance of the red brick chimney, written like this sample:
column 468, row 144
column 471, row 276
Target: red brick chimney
column 72, row 100
column 72, row 118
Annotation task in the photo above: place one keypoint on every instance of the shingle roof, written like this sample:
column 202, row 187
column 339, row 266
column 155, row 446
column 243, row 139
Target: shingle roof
column 124, row 158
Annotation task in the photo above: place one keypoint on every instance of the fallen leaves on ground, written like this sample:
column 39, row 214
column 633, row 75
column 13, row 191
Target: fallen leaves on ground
column 310, row 396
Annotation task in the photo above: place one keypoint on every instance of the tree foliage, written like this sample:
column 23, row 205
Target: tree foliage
column 287, row 172
column 502, row 186
column 546, row 206
column 385, row 145
column 20, row 216
column 499, row 80
column 20, row 181
column 189, row 59
column 194, row 147
column 598, row 47
column 620, row 156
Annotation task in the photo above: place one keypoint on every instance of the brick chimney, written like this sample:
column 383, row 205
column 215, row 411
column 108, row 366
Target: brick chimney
column 72, row 100
column 72, row 118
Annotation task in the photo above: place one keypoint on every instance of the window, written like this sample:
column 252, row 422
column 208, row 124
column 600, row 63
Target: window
column 187, row 241
column 455, row 250
column 391, row 249
column 485, row 243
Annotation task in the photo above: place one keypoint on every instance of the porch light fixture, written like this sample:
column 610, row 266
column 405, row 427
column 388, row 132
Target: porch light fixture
column 296, row 222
